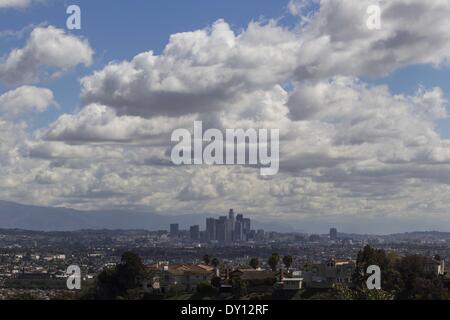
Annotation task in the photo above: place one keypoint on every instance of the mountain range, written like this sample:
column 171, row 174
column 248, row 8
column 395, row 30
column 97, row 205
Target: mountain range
column 36, row 218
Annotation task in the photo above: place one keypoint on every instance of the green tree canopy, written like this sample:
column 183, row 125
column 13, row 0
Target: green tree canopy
column 254, row 263
column 215, row 262
column 273, row 261
column 287, row 261
column 207, row 259
column 114, row 283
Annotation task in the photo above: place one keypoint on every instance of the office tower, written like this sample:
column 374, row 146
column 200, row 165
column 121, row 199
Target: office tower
column 247, row 228
column 223, row 230
column 238, row 234
column 195, row 233
column 231, row 220
column 333, row 234
column 231, row 214
column 211, row 234
column 174, row 229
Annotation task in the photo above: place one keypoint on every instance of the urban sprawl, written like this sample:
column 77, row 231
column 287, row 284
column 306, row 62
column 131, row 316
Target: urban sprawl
column 228, row 259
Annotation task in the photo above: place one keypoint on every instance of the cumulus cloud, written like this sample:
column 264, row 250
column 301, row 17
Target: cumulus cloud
column 19, row 34
column 336, row 40
column 200, row 71
column 97, row 123
column 48, row 48
column 208, row 70
column 14, row 3
column 353, row 126
column 301, row 8
column 25, row 99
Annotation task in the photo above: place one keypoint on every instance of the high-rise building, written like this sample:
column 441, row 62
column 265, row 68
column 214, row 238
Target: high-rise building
column 231, row 215
column 238, row 234
column 333, row 234
column 211, row 234
column 223, row 230
column 246, row 228
column 174, row 229
column 231, row 222
column 194, row 232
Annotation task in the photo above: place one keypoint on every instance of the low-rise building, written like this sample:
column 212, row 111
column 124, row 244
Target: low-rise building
column 329, row 273
column 435, row 266
column 178, row 277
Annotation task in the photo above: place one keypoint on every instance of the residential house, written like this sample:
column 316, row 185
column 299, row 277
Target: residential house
column 329, row 273
column 178, row 277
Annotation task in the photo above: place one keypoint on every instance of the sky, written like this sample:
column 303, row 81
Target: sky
column 86, row 115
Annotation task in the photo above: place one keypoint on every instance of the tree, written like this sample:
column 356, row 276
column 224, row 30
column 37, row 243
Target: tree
column 273, row 261
column 205, row 289
column 116, row 282
column 418, row 284
column 215, row 262
column 402, row 278
column 216, row 282
column 206, row 259
column 428, row 289
column 254, row 263
column 369, row 256
column 239, row 288
column 130, row 270
column 107, row 285
column 342, row 292
column 287, row 261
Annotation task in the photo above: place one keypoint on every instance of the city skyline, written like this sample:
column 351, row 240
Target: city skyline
column 224, row 230
column 13, row 216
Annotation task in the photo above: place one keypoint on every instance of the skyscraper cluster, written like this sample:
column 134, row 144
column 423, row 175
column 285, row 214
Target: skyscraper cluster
column 224, row 230
column 228, row 229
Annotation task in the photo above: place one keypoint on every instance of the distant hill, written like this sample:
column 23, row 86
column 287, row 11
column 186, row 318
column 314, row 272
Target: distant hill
column 35, row 218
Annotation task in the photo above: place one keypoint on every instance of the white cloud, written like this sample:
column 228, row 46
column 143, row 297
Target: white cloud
column 336, row 40
column 18, row 34
column 48, row 48
column 371, row 146
column 25, row 99
column 211, row 69
column 100, row 123
column 200, row 71
column 14, row 3
column 301, row 8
